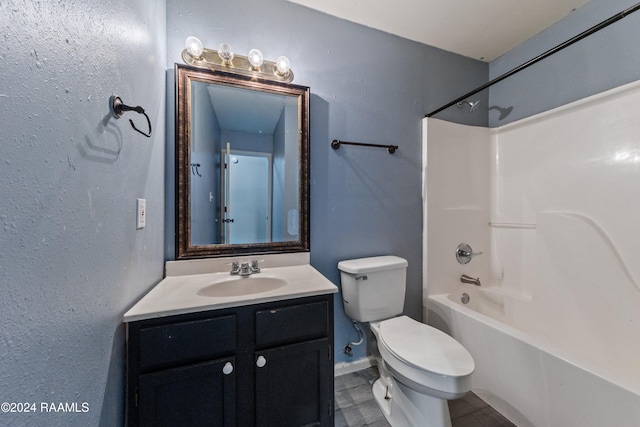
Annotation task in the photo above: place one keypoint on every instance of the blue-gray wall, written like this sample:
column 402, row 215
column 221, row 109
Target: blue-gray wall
column 205, row 181
column 71, row 259
column 367, row 86
column 604, row 60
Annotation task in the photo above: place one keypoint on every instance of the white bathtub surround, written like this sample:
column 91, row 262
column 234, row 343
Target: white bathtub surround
column 555, row 210
column 456, row 195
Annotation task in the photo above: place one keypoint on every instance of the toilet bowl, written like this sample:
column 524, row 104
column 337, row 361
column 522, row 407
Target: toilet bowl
column 420, row 367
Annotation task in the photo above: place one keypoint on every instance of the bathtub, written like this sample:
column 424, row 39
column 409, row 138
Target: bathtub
column 528, row 377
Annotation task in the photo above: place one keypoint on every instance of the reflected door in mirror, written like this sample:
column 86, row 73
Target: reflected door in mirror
column 247, row 197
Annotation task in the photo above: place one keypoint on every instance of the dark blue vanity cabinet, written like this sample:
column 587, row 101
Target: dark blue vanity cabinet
column 268, row 364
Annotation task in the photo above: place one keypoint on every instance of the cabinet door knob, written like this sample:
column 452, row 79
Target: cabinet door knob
column 227, row 368
column 261, row 362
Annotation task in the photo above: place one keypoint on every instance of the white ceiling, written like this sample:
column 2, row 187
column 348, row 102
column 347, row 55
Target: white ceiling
column 242, row 110
column 480, row 29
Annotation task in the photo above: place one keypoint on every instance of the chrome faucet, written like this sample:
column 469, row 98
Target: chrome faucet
column 471, row 280
column 244, row 269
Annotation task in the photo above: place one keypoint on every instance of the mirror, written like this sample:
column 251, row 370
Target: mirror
column 242, row 173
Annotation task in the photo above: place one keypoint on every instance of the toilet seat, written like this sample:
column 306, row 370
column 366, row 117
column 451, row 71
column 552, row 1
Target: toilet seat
column 424, row 347
column 420, row 355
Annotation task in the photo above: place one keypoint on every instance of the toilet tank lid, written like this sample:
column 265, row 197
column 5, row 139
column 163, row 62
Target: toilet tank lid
column 372, row 264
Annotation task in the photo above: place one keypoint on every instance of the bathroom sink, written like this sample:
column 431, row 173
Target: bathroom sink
column 239, row 286
column 211, row 287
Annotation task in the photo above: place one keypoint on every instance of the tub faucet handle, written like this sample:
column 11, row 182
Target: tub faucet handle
column 464, row 253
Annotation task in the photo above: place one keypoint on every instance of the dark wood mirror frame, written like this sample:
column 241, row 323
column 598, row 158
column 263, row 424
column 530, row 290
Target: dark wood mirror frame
column 184, row 75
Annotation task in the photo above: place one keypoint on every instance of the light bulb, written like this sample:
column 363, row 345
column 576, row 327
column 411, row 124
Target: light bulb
column 225, row 52
column 194, row 46
column 255, row 59
column 283, row 65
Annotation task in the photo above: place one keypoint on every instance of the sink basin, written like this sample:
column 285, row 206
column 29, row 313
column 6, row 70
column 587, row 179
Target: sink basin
column 239, row 286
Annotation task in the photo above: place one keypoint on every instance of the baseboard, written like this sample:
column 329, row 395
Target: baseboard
column 357, row 365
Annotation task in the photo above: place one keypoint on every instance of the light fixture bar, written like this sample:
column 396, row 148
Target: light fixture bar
column 239, row 65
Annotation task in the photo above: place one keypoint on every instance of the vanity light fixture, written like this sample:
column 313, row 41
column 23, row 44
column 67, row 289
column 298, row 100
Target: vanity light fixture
column 224, row 59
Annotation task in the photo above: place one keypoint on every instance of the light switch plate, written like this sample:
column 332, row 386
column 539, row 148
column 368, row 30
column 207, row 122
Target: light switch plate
column 141, row 213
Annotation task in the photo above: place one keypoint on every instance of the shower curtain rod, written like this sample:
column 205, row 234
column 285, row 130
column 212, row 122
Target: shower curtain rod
column 542, row 56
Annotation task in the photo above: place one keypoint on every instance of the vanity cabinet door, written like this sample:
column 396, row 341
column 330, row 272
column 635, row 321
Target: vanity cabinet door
column 293, row 385
column 194, row 395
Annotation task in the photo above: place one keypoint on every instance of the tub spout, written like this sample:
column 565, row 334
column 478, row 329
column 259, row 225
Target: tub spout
column 471, row 280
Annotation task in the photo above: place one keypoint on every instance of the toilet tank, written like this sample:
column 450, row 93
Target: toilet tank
column 373, row 288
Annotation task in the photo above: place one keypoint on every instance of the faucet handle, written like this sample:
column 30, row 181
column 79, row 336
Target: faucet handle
column 464, row 253
column 235, row 268
column 255, row 268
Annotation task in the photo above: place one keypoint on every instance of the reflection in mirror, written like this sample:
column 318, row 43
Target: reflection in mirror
column 242, row 153
column 247, row 145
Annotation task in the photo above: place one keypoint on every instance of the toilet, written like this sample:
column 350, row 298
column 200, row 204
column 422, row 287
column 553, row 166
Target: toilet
column 420, row 367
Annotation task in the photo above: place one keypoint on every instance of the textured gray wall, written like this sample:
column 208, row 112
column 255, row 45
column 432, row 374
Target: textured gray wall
column 604, row 60
column 71, row 260
column 366, row 86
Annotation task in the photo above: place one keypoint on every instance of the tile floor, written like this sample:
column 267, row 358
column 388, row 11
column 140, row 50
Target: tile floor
column 355, row 406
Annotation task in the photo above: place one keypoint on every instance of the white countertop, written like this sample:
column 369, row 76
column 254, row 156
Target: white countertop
column 178, row 294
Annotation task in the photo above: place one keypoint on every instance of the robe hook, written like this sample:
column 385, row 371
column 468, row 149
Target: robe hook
column 196, row 166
